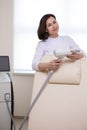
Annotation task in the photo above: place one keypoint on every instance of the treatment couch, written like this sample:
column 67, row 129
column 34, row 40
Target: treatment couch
column 63, row 103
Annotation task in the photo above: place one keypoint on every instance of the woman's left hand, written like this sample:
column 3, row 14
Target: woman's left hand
column 75, row 55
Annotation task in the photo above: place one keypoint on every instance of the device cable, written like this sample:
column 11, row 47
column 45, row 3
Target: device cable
column 7, row 101
column 35, row 99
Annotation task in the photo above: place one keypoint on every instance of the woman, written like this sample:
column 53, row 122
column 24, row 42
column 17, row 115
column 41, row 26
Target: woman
column 48, row 33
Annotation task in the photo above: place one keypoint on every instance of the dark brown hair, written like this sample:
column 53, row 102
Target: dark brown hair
column 42, row 34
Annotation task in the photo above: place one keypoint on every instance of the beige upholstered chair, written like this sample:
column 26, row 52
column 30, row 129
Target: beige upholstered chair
column 61, row 106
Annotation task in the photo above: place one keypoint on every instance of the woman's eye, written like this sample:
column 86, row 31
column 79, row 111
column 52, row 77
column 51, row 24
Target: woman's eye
column 54, row 22
column 49, row 25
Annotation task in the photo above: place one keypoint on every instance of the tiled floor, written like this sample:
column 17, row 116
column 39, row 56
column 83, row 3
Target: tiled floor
column 18, row 122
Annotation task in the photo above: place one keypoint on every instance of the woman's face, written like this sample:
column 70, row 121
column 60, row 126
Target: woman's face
column 52, row 27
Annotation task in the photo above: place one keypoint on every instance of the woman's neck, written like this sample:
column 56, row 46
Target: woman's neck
column 54, row 36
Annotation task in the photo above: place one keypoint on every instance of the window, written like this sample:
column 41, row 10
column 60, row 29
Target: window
column 70, row 14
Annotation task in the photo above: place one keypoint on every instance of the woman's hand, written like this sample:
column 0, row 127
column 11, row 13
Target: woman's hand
column 75, row 55
column 48, row 66
column 54, row 64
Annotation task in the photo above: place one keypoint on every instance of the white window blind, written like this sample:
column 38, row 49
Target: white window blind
column 70, row 14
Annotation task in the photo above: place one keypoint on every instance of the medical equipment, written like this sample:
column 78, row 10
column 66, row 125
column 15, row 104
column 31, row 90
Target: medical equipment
column 6, row 94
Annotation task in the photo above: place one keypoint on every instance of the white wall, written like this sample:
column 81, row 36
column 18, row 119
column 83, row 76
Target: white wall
column 22, row 84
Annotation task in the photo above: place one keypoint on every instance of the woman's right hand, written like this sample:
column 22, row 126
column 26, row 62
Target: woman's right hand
column 48, row 66
column 54, row 64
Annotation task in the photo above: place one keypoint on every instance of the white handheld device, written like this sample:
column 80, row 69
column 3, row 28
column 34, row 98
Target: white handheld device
column 62, row 54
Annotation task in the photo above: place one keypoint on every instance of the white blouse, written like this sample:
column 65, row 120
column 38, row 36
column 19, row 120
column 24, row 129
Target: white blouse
column 61, row 43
